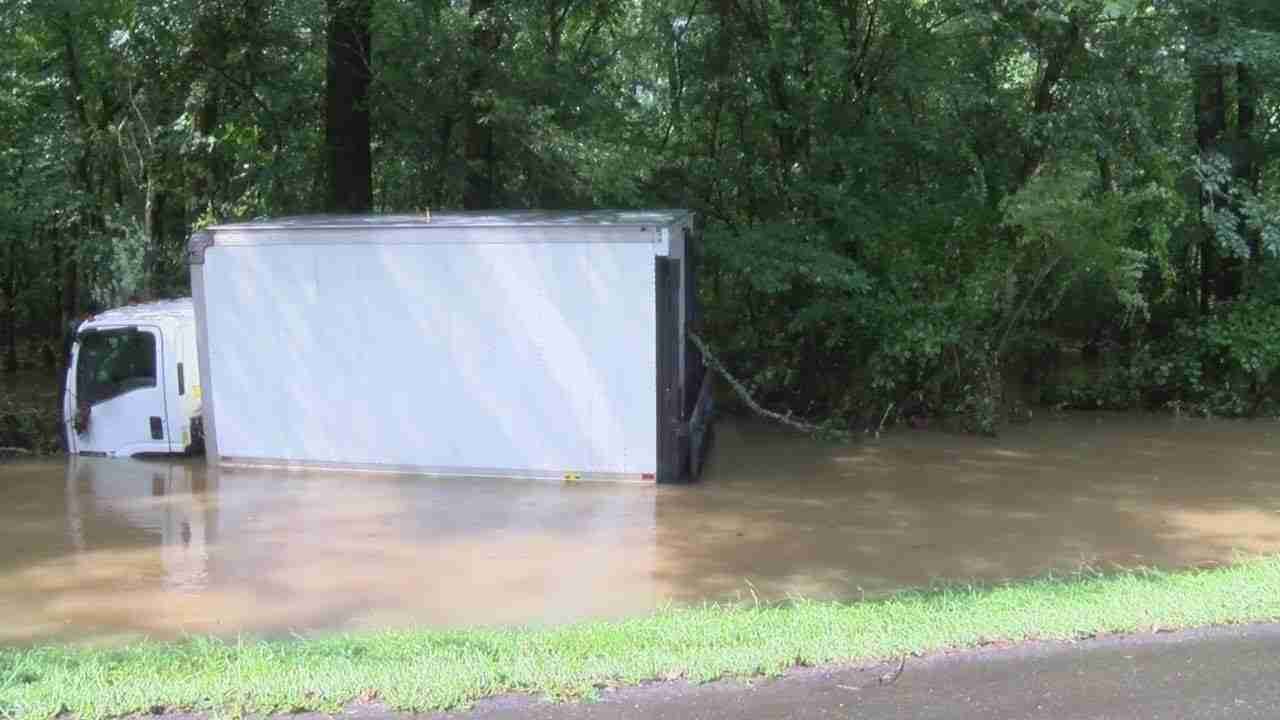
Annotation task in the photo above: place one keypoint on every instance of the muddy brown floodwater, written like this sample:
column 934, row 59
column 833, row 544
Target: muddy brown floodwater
column 113, row 549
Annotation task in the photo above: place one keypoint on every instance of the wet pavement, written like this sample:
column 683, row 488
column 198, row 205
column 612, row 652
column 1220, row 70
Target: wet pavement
column 1214, row 673
column 113, row 549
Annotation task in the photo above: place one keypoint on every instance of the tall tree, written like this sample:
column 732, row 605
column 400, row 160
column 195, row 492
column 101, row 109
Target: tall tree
column 349, row 161
column 76, row 95
column 480, row 150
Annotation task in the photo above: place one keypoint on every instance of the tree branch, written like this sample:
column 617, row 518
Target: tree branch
column 714, row 363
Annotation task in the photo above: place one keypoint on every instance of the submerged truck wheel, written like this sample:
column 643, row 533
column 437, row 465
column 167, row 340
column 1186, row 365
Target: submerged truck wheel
column 196, row 446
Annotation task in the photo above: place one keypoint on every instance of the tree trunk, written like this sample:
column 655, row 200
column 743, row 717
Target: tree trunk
column 480, row 189
column 153, row 228
column 9, row 303
column 349, row 161
column 70, row 291
column 1211, row 122
column 49, row 237
column 211, row 53
column 557, row 13
column 254, row 20
column 67, row 291
column 75, row 98
column 1248, row 161
column 444, row 141
column 1060, row 56
column 1106, row 174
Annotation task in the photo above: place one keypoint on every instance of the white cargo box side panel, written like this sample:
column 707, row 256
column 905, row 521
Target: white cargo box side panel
column 521, row 352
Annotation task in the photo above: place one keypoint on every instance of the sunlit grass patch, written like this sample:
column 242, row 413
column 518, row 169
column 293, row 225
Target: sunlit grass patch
column 437, row 669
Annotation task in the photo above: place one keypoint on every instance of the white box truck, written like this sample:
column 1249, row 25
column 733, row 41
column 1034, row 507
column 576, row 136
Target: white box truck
column 133, row 382
column 514, row 344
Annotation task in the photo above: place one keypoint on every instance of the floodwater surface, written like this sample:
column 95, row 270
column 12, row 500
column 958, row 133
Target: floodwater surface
column 112, row 549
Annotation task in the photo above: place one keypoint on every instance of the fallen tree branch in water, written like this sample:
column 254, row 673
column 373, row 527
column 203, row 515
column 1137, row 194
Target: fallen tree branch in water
column 883, row 419
column 742, row 392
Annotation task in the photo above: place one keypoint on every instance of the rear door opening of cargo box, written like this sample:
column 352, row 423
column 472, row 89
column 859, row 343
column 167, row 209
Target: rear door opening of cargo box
column 683, row 390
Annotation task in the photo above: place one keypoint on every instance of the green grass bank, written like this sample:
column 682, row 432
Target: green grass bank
column 436, row 669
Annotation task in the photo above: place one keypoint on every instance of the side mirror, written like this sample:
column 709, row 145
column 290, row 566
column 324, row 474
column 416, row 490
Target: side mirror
column 83, row 412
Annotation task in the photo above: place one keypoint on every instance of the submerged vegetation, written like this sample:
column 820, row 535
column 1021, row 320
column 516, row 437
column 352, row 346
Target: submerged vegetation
column 436, row 669
column 910, row 207
column 30, row 428
column 30, row 416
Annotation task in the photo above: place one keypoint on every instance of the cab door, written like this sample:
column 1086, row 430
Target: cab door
column 117, row 403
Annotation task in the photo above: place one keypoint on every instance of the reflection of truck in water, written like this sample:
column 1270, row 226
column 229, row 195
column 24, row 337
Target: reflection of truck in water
column 133, row 383
column 110, row 499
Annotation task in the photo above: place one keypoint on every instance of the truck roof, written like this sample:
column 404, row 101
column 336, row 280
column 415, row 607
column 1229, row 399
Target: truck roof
column 174, row 310
column 485, row 218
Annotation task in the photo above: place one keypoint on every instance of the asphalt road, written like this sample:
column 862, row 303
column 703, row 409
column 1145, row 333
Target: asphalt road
column 1229, row 672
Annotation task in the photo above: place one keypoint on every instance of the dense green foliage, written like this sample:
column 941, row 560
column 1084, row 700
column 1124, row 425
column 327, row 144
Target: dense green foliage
column 911, row 206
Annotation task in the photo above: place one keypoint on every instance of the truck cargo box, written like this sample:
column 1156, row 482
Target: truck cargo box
column 526, row 344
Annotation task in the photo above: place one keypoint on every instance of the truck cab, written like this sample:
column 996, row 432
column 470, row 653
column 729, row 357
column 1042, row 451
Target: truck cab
column 133, row 383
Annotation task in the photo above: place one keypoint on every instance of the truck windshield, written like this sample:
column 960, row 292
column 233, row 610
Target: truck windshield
column 114, row 362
